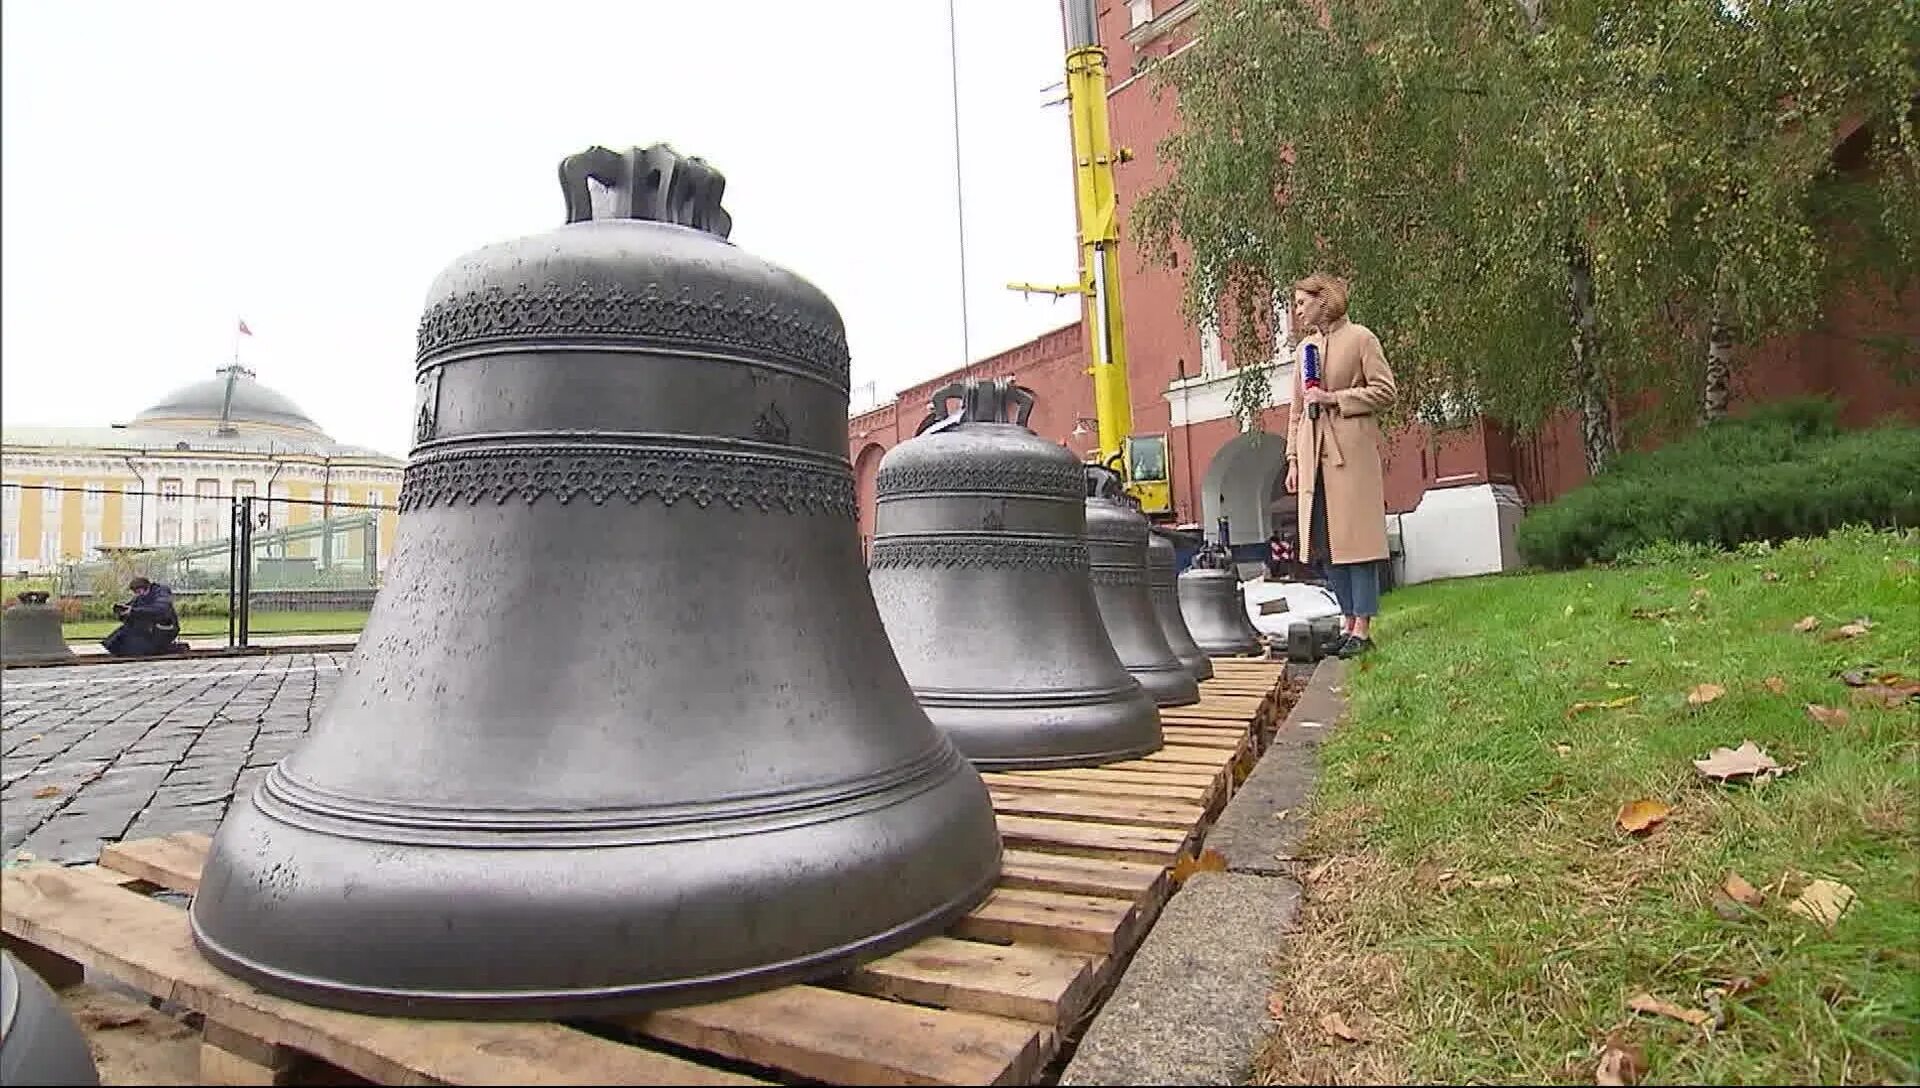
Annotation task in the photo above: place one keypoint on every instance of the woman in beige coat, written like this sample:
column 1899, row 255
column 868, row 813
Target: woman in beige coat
column 1331, row 431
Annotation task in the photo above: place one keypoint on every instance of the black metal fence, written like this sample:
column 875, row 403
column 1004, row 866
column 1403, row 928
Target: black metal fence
column 242, row 568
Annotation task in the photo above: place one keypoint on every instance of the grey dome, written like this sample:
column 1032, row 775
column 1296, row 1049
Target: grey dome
column 200, row 404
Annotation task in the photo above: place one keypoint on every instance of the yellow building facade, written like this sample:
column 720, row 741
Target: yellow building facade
column 168, row 477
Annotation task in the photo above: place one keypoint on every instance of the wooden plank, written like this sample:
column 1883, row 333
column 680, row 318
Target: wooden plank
column 1180, row 794
column 1078, row 923
column 1197, row 779
column 1119, row 841
column 1094, row 808
column 147, row 944
column 1189, row 771
column 846, row 1038
column 170, row 861
column 1020, row 981
column 1215, row 714
column 1189, row 737
column 1181, row 756
column 1075, row 875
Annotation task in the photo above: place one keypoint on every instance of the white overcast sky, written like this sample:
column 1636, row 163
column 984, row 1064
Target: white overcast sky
column 170, row 168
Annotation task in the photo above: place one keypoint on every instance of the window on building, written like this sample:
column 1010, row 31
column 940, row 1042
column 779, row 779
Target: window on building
column 169, row 532
column 10, row 497
column 89, row 543
column 206, row 489
column 96, row 496
column 1213, row 361
column 50, row 499
column 49, row 547
column 244, row 489
column 9, row 548
column 1141, row 11
column 170, row 489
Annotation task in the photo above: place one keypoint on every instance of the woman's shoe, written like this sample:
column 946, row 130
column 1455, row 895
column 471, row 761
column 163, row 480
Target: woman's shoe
column 1354, row 646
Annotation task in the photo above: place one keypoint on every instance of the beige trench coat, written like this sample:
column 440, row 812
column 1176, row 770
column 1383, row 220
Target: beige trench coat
column 1344, row 442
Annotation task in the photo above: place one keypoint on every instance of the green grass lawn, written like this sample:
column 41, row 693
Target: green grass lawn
column 262, row 623
column 1474, row 910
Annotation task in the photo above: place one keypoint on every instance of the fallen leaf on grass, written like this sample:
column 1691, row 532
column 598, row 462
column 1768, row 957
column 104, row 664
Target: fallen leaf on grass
column 1621, row 1062
column 1885, row 695
column 1606, row 704
column 1849, row 630
column 1727, row 764
column 1832, row 717
column 1738, row 889
column 1651, row 613
column 1563, row 749
column 1334, row 1024
column 1209, row 861
column 1824, row 901
column 1639, row 817
column 1854, row 678
column 1501, row 881
column 1618, row 662
column 45, row 792
column 1275, row 1006
column 1775, row 685
column 1770, row 576
column 1569, row 611
column 1704, row 693
column 1807, row 623
column 1648, row 1003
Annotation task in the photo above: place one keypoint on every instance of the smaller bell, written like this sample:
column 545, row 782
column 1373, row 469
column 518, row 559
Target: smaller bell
column 1214, row 608
column 39, row 1041
column 30, row 632
column 1117, row 545
column 1166, row 606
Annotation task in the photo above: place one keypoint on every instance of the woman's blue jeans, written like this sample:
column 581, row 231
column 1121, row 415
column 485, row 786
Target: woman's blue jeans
column 1355, row 585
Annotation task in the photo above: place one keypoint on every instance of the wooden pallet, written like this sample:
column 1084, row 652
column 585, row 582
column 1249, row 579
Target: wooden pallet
column 990, row 1002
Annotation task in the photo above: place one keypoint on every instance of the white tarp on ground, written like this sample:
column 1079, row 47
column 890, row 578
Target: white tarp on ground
column 1305, row 601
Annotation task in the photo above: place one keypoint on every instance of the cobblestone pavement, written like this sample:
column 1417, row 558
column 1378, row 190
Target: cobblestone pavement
column 93, row 754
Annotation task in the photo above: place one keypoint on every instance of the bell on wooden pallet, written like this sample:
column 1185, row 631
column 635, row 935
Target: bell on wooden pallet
column 30, row 632
column 39, row 1041
column 1214, row 607
column 979, row 566
column 624, row 729
column 1166, row 607
column 1117, row 545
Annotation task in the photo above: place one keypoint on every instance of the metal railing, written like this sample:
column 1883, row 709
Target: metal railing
column 259, row 565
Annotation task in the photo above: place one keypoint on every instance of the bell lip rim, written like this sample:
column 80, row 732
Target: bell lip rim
column 553, row 1004
column 991, row 765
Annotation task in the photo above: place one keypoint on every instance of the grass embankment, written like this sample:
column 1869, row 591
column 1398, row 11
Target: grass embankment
column 261, row 623
column 1475, row 910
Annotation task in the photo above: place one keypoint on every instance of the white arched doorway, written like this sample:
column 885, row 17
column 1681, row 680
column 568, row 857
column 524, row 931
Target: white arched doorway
column 1240, row 483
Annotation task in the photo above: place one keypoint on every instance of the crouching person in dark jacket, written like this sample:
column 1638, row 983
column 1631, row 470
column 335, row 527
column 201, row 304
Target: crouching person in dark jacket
column 148, row 623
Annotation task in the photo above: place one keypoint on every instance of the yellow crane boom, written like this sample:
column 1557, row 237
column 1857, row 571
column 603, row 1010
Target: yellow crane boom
column 1094, row 157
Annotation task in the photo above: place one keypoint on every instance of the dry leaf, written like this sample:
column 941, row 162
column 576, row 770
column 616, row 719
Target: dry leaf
column 1608, row 704
column 45, row 792
column 1704, row 693
column 1775, row 685
column 1275, row 1007
column 1648, row 1003
column 1209, row 861
column 1849, row 630
column 1726, row 764
column 1738, row 889
column 1770, row 576
column 1824, row 901
column 1636, row 817
column 1807, row 623
column 1651, row 613
column 1854, row 678
column 1563, row 749
column 1334, row 1024
column 1501, row 881
column 1832, row 717
column 1882, row 695
column 1621, row 1062
column 1569, row 611
column 1617, row 662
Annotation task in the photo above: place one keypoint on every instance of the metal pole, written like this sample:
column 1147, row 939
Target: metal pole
column 246, row 568
column 233, row 573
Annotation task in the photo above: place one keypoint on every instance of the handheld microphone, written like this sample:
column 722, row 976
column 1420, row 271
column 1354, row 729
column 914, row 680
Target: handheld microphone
column 1311, row 377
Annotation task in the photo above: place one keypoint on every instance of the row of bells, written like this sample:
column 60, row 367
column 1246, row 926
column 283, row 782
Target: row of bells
column 626, row 727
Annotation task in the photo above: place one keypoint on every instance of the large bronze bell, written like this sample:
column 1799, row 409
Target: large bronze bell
column 30, row 632
column 1214, row 607
column 979, row 566
column 624, row 729
column 1166, row 607
column 1117, row 545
